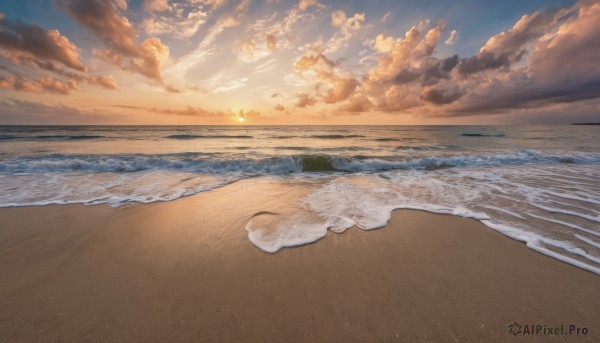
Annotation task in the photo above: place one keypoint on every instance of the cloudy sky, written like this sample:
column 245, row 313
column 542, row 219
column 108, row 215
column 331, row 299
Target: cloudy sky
column 299, row 62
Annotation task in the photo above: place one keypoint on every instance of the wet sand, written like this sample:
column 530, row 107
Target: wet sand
column 186, row 271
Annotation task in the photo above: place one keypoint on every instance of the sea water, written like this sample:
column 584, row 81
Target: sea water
column 537, row 184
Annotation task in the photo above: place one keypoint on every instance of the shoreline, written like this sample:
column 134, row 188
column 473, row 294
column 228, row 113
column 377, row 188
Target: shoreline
column 185, row 270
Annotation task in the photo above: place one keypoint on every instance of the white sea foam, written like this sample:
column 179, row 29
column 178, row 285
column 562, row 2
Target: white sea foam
column 587, row 240
column 366, row 201
column 113, row 189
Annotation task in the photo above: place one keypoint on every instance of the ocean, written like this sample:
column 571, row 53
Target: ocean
column 536, row 184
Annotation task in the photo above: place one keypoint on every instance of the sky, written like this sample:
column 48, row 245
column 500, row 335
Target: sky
column 277, row 62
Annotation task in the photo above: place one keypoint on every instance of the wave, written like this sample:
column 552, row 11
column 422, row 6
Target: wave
column 68, row 137
column 463, row 160
column 387, row 139
column 482, row 135
column 427, row 147
column 50, row 137
column 216, row 163
column 336, row 136
column 282, row 137
column 206, row 137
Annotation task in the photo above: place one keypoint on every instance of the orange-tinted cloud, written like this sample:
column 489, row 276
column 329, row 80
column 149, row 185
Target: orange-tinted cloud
column 157, row 6
column 332, row 85
column 29, row 41
column 179, row 18
column 347, row 26
column 14, row 111
column 45, row 84
column 105, row 20
column 106, row 81
column 305, row 4
column 266, row 36
column 48, row 61
column 305, row 100
column 561, row 50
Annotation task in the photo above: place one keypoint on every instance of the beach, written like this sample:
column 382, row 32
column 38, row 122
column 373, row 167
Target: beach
column 299, row 171
column 185, row 270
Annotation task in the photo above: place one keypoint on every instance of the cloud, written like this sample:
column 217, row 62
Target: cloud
column 340, row 89
column 385, row 17
column 279, row 108
column 206, row 46
column 440, row 96
column 332, row 85
column 56, row 86
column 303, row 5
column 509, row 46
column 45, row 84
column 357, row 104
column 189, row 111
column 106, row 81
column 547, row 58
column 15, row 112
column 304, row 100
column 484, row 61
column 32, row 42
column 347, row 28
column 560, row 64
column 452, row 38
column 38, row 64
column 157, row 6
column 246, row 113
column 106, row 21
column 396, row 55
column 268, row 35
column 271, row 42
column 404, row 66
column 180, row 18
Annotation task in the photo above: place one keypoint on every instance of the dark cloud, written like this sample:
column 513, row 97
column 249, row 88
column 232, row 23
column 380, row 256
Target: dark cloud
column 406, row 76
column 529, row 97
column 560, row 69
column 547, row 59
column 510, row 46
column 431, row 71
column 439, row 70
column 439, row 96
column 483, row 61
column 447, row 64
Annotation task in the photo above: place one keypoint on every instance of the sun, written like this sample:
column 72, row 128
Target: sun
column 241, row 119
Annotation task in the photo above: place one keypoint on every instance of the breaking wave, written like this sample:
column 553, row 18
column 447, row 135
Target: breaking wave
column 215, row 163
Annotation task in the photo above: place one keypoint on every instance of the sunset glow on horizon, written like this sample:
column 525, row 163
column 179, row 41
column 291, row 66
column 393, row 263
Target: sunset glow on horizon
column 274, row 62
